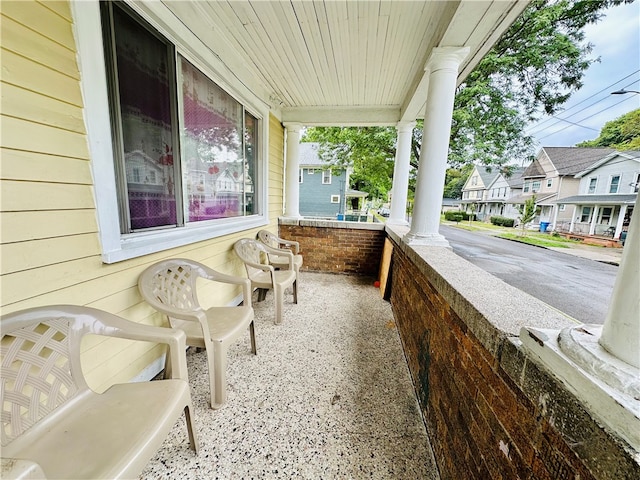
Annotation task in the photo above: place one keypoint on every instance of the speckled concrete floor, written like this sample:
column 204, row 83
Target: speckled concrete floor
column 327, row 397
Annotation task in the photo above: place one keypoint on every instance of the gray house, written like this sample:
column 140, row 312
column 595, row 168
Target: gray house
column 322, row 189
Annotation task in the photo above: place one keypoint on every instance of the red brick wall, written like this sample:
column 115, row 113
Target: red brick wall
column 482, row 423
column 334, row 247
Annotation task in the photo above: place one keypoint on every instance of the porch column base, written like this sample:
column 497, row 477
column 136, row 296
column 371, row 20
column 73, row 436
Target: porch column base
column 430, row 239
column 606, row 385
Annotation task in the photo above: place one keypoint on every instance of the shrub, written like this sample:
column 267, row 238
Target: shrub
column 502, row 221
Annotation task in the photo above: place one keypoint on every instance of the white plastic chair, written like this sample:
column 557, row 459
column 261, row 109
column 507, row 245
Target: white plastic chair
column 263, row 276
column 281, row 260
column 169, row 286
column 55, row 426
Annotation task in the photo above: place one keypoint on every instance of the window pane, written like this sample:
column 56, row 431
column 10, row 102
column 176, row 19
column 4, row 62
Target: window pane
column 615, row 181
column 212, row 159
column 145, row 109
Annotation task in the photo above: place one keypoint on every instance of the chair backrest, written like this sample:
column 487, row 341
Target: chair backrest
column 171, row 282
column 268, row 238
column 41, row 368
column 251, row 251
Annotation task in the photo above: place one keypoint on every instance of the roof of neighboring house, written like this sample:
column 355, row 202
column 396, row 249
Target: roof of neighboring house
column 613, row 199
column 515, row 180
column 487, row 175
column 628, row 154
column 309, row 156
column 450, row 202
column 533, row 170
column 571, row 160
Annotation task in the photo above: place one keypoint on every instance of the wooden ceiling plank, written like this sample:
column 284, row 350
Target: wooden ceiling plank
column 328, row 49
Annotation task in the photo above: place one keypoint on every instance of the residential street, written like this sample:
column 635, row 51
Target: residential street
column 579, row 287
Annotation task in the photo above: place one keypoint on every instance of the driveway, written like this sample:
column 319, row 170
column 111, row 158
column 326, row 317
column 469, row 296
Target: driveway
column 579, row 287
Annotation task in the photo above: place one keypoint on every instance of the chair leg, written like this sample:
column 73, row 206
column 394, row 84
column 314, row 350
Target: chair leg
column 252, row 334
column 191, row 430
column 262, row 294
column 278, row 298
column 295, row 291
column 167, row 364
column 220, row 374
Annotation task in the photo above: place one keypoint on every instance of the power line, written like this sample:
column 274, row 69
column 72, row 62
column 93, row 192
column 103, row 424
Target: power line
column 593, row 114
column 552, row 117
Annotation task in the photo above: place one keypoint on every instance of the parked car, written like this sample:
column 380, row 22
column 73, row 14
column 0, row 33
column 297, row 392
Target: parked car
column 385, row 212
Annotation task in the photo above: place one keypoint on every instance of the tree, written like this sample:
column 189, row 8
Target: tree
column 623, row 133
column 527, row 213
column 532, row 70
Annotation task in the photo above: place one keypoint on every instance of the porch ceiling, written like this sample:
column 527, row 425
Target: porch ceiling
column 355, row 62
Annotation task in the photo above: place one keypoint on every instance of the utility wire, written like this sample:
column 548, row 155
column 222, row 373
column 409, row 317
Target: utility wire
column 593, row 114
column 552, row 117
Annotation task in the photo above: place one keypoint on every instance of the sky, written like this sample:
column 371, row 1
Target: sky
column 616, row 40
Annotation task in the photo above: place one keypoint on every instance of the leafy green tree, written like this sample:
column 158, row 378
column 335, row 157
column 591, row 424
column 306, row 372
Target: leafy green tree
column 455, row 180
column 527, row 213
column 623, row 133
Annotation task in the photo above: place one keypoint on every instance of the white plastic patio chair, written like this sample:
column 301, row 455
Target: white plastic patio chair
column 55, row 426
column 264, row 276
column 278, row 260
column 169, row 286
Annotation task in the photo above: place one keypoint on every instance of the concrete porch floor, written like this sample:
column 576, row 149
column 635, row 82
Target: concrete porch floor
column 328, row 396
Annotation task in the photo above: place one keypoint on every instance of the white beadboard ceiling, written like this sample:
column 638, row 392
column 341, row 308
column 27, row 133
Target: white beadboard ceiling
column 342, row 62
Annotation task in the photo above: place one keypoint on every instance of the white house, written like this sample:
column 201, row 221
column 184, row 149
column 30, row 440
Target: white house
column 607, row 194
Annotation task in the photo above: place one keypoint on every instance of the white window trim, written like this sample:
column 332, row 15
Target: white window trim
column 324, row 172
column 311, row 171
column 335, row 198
column 595, row 186
column 116, row 246
column 549, row 182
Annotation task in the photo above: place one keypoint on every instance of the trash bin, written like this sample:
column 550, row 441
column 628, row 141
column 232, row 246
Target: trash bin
column 341, row 216
column 543, row 226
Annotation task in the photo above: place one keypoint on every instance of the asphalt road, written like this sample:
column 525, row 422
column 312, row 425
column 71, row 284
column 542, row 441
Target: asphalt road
column 579, row 287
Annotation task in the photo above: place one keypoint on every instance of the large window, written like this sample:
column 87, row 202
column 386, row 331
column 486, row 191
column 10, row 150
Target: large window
column 326, row 177
column 185, row 150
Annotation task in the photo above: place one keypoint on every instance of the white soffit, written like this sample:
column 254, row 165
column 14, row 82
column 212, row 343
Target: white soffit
column 355, row 62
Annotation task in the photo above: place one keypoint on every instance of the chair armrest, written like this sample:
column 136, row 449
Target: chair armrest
column 20, row 469
column 103, row 323
column 293, row 245
column 216, row 276
column 281, row 253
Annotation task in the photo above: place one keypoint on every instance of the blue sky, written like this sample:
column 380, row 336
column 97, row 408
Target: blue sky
column 616, row 40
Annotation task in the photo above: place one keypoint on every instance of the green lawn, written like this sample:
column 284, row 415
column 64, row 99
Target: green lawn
column 540, row 239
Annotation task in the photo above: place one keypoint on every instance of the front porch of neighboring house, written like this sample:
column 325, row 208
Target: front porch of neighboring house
column 606, row 224
column 342, row 384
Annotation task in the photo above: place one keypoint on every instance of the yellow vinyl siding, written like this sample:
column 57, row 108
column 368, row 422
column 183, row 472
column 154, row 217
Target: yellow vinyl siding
column 42, row 20
column 32, row 106
column 20, row 71
column 31, row 225
column 49, row 242
column 37, row 48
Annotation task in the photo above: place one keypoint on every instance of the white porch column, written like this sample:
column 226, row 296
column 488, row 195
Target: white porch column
column 556, row 210
column 594, row 217
column 443, row 72
column 620, row 222
column 292, row 191
column 401, row 174
column 621, row 330
column 573, row 219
